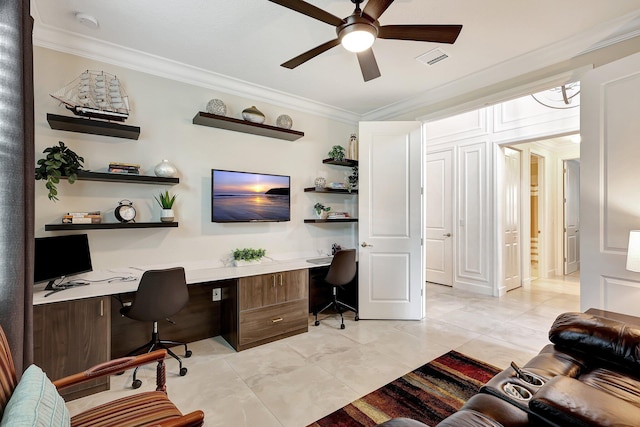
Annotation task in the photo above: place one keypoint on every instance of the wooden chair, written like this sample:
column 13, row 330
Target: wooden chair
column 141, row 409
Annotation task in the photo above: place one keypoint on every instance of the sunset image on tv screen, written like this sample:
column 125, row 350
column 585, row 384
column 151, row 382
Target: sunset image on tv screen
column 244, row 196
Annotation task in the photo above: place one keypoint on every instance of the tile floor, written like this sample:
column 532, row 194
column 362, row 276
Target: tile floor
column 293, row 382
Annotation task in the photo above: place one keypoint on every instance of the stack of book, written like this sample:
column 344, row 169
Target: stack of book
column 116, row 167
column 337, row 215
column 93, row 217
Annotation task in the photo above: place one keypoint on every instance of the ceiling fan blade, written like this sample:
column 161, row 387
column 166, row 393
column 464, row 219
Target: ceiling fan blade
column 368, row 65
column 421, row 33
column 301, row 59
column 310, row 10
column 375, row 8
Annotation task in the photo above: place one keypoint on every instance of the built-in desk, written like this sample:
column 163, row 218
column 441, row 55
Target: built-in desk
column 80, row 327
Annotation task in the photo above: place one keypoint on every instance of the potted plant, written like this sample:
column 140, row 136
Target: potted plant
column 247, row 256
column 321, row 209
column 337, row 153
column 165, row 200
column 60, row 161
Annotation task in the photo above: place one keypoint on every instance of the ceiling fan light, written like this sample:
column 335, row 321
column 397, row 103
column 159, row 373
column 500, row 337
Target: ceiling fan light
column 357, row 37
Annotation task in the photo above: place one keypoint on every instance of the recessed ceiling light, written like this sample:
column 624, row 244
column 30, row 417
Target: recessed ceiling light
column 87, row 20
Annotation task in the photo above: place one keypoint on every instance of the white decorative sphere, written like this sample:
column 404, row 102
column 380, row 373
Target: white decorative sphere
column 216, row 106
column 284, row 121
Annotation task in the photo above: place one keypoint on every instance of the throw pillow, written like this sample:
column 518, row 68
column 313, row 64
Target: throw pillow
column 35, row 402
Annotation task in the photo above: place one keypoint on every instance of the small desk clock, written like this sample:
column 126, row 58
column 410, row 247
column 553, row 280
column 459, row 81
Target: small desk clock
column 125, row 212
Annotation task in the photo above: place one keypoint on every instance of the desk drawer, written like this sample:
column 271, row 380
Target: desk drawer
column 280, row 319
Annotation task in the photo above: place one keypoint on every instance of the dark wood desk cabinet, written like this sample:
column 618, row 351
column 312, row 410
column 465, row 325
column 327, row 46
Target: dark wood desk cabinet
column 70, row 337
column 269, row 307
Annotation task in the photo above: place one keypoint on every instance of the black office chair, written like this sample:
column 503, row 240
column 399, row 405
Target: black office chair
column 160, row 294
column 341, row 272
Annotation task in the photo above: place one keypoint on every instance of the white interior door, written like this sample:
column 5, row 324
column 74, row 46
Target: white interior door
column 512, row 184
column 571, row 216
column 438, row 243
column 609, row 191
column 390, row 274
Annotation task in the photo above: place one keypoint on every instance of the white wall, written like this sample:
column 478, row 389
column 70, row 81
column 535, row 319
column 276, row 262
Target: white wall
column 164, row 110
column 475, row 137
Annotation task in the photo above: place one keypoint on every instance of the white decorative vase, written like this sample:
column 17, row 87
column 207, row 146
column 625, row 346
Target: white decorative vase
column 167, row 215
column 252, row 114
column 166, row 170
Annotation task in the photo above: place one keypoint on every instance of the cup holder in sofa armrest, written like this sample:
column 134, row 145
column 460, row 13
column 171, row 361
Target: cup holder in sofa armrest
column 516, row 391
column 527, row 377
column 510, row 387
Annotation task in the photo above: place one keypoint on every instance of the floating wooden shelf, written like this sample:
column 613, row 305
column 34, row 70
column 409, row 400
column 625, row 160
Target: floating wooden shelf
column 319, row 221
column 329, row 190
column 345, row 162
column 237, row 125
column 109, row 226
column 128, row 178
column 95, row 127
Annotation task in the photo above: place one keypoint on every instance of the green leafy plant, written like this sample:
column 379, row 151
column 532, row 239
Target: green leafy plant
column 319, row 207
column 337, row 153
column 60, row 161
column 165, row 200
column 248, row 254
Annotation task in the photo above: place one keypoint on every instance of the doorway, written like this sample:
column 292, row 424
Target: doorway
column 571, row 216
column 536, row 172
column 549, row 199
column 512, row 258
column 438, row 241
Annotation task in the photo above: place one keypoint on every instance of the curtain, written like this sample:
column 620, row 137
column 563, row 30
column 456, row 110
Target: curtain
column 17, row 179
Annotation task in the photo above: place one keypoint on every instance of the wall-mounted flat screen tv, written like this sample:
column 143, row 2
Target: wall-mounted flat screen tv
column 249, row 197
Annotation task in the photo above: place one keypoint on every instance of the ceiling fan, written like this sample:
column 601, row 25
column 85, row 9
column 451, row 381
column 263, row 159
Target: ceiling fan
column 358, row 31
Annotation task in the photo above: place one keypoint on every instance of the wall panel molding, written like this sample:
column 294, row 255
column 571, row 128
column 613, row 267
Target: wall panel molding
column 456, row 128
column 472, row 218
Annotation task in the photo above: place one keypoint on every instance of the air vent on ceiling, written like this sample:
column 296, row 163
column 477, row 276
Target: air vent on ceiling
column 432, row 57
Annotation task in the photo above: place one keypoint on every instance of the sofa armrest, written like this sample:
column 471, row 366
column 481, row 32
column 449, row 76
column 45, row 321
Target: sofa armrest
column 402, row 422
column 610, row 341
column 116, row 366
column 569, row 402
column 192, row 419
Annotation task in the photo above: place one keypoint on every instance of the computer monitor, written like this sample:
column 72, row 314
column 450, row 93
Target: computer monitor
column 59, row 257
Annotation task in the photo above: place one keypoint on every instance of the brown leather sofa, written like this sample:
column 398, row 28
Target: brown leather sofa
column 589, row 376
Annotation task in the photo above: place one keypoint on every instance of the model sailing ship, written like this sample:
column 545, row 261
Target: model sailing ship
column 95, row 94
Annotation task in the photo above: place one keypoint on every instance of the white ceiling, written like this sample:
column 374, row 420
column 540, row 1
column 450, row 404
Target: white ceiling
column 238, row 45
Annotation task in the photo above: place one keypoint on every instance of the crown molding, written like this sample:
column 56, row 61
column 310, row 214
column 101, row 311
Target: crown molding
column 598, row 37
column 98, row 50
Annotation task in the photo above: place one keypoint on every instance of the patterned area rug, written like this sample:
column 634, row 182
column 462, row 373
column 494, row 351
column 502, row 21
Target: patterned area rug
column 429, row 394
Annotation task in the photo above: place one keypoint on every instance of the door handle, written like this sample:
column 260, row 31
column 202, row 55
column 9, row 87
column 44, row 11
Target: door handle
column 447, row 235
column 364, row 245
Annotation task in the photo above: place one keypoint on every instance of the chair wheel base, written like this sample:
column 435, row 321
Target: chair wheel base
column 188, row 354
column 136, row 384
column 316, row 323
column 183, row 372
column 357, row 318
column 342, row 326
